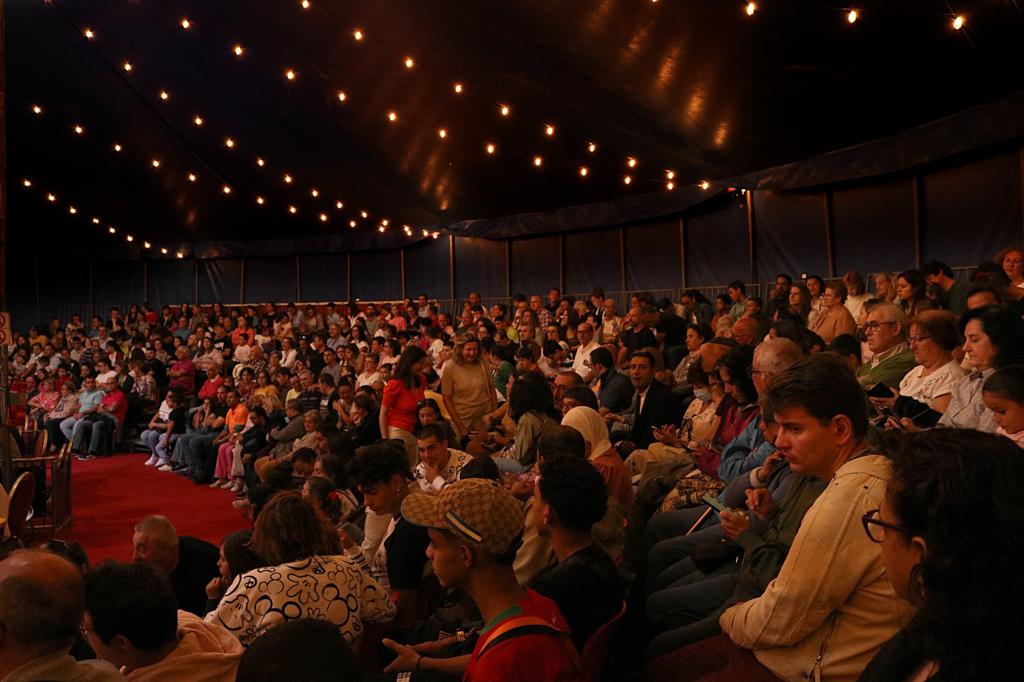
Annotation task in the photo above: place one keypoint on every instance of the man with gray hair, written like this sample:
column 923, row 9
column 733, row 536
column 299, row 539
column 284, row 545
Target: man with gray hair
column 886, row 330
column 189, row 563
column 42, row 601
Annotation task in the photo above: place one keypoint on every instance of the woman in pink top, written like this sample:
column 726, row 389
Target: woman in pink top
column 398, row 410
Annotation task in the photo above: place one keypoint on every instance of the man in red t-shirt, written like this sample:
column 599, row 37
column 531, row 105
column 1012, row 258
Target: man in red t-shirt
column 474, row 527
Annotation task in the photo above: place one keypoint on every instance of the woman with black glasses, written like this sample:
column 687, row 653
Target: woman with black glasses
column 951, row 528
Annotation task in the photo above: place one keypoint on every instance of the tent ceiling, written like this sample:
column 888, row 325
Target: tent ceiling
column 691, row 86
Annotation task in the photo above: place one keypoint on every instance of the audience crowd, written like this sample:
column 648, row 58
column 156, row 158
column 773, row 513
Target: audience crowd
column 821, row 483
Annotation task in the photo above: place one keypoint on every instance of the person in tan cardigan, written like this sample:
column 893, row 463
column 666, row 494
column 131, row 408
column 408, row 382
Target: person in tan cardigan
column 836, row 318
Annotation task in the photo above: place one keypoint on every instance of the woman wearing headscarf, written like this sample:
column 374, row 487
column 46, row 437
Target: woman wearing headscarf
column 602, row 455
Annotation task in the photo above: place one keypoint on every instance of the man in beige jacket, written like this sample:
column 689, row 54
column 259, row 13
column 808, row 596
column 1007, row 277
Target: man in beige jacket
column 831, row 607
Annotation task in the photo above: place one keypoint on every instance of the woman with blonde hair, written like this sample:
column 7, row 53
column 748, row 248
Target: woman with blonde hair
column 466, row 387
column 885, row 286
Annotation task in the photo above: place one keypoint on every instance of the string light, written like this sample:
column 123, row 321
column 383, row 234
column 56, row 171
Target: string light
column 490, row 148
column 584, row 171
column 198, row 120
column 260, row 162
column 129, row 237
column 95, row 221
column 751, row 8
column 442, row 133
column 392, row 116
column 26, row 182
column 226, row 189
column 364, row 214
column 293, row 210
column 409, row 63
column 627, row 179
column 426, row 233
column 238, row 50
column 164, row 95
column 670, row 174
column 305, row 4
column 505, row 110
column 78, row 130
column 72, row 210
column 339, row 204
column 179, row 254
column 538, row 161
column 342, row 96
column 186, row 24
column 289, row 74
column 670, row 185
column 127, row 66
column 352, row 224
column 631, row 162
column 260, row 200
column 549, row 130
column 36, row 109
column 705, row 185
column 163, row 250
column 314, row 193
column 435, row 235
column 357, row 34
column 853, row 16
column 457, row 88
column 112, row 230
column 959, row 21
column 287, row 179
column 384, row 222
column 229, row 143
column 381, row 228
column 323, row 217
column 591, row 147
column 155, row 163
column 146, row 245
column 117, row 147
column 191, row 177
column 89, row 34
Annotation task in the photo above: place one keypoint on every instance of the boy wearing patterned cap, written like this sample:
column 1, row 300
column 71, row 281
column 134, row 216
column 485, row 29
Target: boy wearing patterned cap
column 475, row 527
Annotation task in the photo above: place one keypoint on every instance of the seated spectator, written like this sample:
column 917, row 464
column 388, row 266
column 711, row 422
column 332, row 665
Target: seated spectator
column 585, row 584
column 848, row 348
column 173, row 429
column 832, row 583
column 911, row 293
column 993, row 339
column 1003, row 394
column 696, row 335
column 579, row 396
column 531, row 407
column 601, row 453
column 66, row 406
column 637, row 335
column 90, row 440
column 132, row 620
column 182, row 372
column 474, row 526
column 302, row 549
column 944, row 484
column 654, row 405
column 42, row 601
column 307, row 649
column 954, row 293
column 382, row 473
column 236, row 557
column 188, row 562
column 439, row 464
column 886, row 330
column 856, row 292
column 746, row 331
column 614, row 390
column 836, row 318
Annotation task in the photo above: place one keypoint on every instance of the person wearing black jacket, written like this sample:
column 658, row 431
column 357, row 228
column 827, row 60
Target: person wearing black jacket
column 654, row 404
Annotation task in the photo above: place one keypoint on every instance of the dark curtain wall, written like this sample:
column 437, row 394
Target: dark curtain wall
column 873, row 227
column 534, row 265
column 69, row 283
column 967, row 210
column 323, row 277
column 479, row 266
column 269, row 279
column 376, row 275
column 220, row 280
column 171, row 282
column 789, row 234
column 717, row 245
column 427, row 269
column 593, row 259
column 653, row 256
column 118, row 283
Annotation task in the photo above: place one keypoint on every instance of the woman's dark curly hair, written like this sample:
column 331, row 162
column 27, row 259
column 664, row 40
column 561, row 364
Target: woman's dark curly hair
column 962, row 491
column 1005, row 330
column 738, row 362
column 531, row 393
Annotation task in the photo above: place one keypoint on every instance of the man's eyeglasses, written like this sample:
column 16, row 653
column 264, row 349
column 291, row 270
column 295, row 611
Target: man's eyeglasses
column 870, row 520
column 874, row 325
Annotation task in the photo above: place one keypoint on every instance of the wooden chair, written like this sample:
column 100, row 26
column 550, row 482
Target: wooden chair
column 596, row 649
column 22, row 492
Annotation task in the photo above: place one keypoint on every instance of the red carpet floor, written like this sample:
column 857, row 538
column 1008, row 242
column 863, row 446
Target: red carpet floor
column 109, row 494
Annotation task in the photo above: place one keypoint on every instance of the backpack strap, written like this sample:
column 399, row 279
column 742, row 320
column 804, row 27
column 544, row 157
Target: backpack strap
column 520, row 626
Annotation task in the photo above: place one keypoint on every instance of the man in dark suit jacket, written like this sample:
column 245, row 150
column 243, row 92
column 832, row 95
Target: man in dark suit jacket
column 654, row 403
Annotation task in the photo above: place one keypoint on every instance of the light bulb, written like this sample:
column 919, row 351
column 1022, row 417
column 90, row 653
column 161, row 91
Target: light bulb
column 226, row 189
column 549, row 130
column 342, row 96
column 289, row 74
column 198, row 120
column 357, row 34
column 852, row 16
column 591, row 147
column 129, row 238
column 364, row 214
column 627, row 179
column 505, row 110
column 435, row 235
column 287, row 179
column 78, row 130
column 670, row 174
column 315, row 193
column 191, row 177
column 584, row 171
column 89, row 34
column 117, row 147
column 457, row 88
column 260, row 162
column 26, row 182
column 146, row 245
column 36, row 109
column 392, row 116
column 409, row 63
column 51, row 198
column 179, row 254
column 260, row 200
column 426, row 233
column 384, row 222
column 631, row 162
column 323, row 217
column 958, row 22
column 112, row 230
column 705, row 185
column 339, row 205
column 163, row 250
column 670, row 185
column 537, row 161
column 490, row 148
column 72, row 210
column 751, row 8
column 351, row 223
column 229, row 143
column 95, row 221
column 442, row 133
column 305, row 4
column 127, row 66
column 186, row 24
column 238, row 50
column 293, row 210
column 381, row 228
column 156, row 163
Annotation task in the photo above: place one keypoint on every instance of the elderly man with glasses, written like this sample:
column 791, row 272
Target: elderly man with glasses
column 887, row 339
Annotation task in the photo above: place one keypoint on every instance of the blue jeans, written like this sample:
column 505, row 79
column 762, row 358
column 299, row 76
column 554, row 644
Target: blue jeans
column 149, row 438
column 688, row 613
column 93, row 432
column 162, row 451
